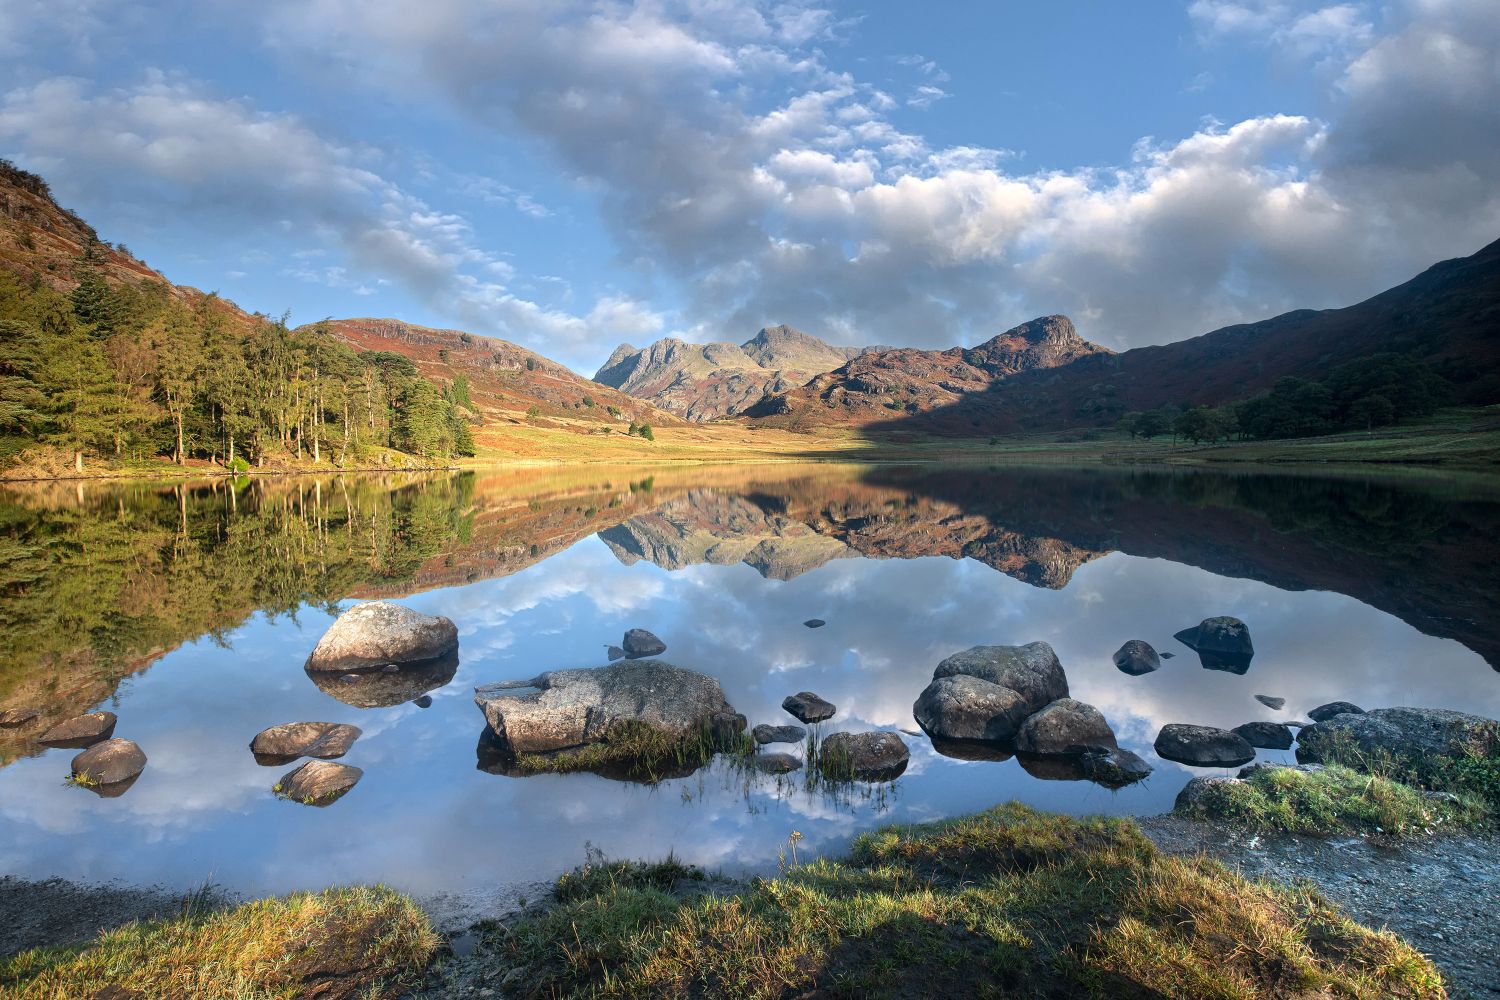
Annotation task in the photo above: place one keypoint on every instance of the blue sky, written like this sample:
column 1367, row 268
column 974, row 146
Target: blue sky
column 569, row 175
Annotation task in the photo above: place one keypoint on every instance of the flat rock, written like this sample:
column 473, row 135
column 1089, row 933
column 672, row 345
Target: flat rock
column 1136, row 657
column 1325, row 712
column 80, row 731
column 1414, row 737
column 285, row 743
column 638, row 643
column 777, row 763
column 14, row 718
column 376, row 633
column 1222, row 643
column 962, row 707
column 815, row 623
column 805, row 706
column 1270, row 702
column 863, row 756
column 318, row 782
column 1032, row 671
column 1267, row 735
column 109, row 763
column 570, row 708
column 1203, row 746
column 764, row 733
column 1065, row 727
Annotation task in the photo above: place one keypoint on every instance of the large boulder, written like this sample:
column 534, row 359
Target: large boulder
column 80, row 731
column 804, row 706
column 570, row 708
column 1267, row 735
column 110, row 763
column 1032, row 671
column 1325, row 712
column 962, row 707
column 1203, row 746
column 639, row 643
column 318, row 782
column 1222, row 643
column 1065, row 727
column 1136, row 657
column 376, row 633
column 285, row 743
column 1418, row 739
column 386, row 685
column 863, row 756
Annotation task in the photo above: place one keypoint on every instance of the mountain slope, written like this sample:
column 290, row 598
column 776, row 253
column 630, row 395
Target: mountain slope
column 880, row 385
column 704, row 381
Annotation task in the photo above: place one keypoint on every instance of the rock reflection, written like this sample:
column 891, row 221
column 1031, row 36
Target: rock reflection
column 382, row 687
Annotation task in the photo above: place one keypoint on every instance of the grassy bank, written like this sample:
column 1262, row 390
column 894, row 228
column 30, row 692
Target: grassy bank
column 1009, row 902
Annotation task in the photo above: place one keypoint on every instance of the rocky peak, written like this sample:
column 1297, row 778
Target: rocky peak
column 1045, row 342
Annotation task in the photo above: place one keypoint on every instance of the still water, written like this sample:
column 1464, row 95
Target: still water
column 189, row 611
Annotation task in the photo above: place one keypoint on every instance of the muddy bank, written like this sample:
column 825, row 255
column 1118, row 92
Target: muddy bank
column 55, row 912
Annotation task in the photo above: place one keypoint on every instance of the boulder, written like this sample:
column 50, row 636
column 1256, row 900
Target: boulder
column 383, row 687
column 808, row 707
column 109, row 763
column 318, row 782
column 571, row 708
column 1136, row 657
column 777, row 763
column 80, row 731
column 1113, row 768
column 376, row 633
column 1222, row 643
column 1325, row 712
column 1267, row 735
column 961, row 707
column 1203, row 746
column 285, row 743
column 639, row 643
column 1270, row 702
column 1065, row 727
column 14, row 718
column 863, row 756
column 1415, row 738
column 778, row 734
column 815, row 623
column 1032, row 671
column 1192, row 794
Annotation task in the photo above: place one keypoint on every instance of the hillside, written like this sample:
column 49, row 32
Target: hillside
column 705, row 381
column 878, row 386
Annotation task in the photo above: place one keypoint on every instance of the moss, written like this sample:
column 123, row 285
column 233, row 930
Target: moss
column 1007, row 903
column 1335, row 800
column 366, row 942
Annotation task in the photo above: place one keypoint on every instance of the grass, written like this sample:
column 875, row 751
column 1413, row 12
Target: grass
column 1335, row 800
column 1009, row 902
column 367, row 942
column 1470, row 768
column 637, row 752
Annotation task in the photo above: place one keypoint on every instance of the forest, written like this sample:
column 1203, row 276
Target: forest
column 134, row 371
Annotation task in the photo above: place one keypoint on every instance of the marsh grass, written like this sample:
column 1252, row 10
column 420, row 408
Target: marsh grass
column 1335, row 800
column 367, row 942
column 1006, row 903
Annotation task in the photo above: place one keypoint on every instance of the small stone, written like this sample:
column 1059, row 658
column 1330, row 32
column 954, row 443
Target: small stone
column 80, row 731
column 423, row 702
column 777, row 763
column 615, row 653
column 1325, row 712
column 764, row 733
column 109, row 763
column 808, row 707
column 1136, row 657
column 1167, row 656
column 318, row 782
column 1270, row 702
column 815, row 623
column 639, row 643
column 1114, row 768
column 285, row 743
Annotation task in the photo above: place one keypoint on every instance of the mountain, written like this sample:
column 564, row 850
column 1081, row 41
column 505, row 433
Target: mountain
column 878, row 385
column 704, row 381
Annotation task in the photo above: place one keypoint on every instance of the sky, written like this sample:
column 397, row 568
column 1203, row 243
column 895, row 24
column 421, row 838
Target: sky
column 572, row 175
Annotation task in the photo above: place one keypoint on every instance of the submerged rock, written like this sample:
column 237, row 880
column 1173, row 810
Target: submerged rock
column 80, row 731
column 1270, row 702
column 1203, row 746
column 863, row 757
column 1222, row 643
column 639, row 643
column 805, row 706
column 815, row 623
column 318, row 782
column 379, row 687
column 110, row 763
column 1032, row 671
column 376, row 633
column 777, row 763
column 1415, row 738
column 1267, row 735
column 1136, row 657
column 961, row 707
column 571, row 708
column 1325, row 712
column 14, row 718
column 1065, row 727
column 285, row 743
column 778, row 734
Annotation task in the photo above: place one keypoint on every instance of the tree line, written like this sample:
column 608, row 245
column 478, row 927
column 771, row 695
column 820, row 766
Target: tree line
column 132, row 371
column 1372, row 392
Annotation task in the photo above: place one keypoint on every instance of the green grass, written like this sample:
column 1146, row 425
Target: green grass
column 634, row 751
column 1336, row 800
column 1470, row 768
column 367, row 942
column 1006, row 903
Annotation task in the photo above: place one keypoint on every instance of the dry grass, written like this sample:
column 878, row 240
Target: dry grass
column 366, row 942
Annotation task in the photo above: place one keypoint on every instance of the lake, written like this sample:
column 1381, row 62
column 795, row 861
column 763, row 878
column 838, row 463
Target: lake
column 189, row 611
